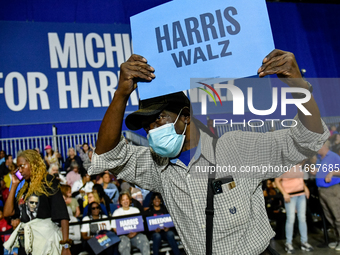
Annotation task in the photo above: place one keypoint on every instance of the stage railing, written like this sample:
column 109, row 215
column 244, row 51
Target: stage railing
column 61, row 142
column 66, row 141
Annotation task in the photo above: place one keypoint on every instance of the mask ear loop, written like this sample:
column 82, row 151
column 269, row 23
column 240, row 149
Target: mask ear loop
column 185, row 128
column 179, row 114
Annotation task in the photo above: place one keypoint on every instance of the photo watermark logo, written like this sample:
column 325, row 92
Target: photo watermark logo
column 238, row 99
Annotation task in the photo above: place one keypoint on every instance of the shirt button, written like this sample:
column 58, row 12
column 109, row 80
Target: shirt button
column 188, row 176
column 196, row 200
column 203, row 226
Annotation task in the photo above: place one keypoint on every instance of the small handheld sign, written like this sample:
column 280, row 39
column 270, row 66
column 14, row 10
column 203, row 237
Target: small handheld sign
column 103, row 241
column 128, row 225
column 159, row 221
column 210, row 39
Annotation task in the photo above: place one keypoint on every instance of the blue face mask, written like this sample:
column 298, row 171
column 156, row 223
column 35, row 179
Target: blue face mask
column 165, row 141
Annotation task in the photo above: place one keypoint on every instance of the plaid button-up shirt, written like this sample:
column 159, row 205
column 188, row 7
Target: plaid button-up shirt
column 240, row 225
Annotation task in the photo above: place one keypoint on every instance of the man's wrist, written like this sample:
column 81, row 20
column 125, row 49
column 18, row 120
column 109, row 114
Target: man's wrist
column 308, row 86
column 122, row 94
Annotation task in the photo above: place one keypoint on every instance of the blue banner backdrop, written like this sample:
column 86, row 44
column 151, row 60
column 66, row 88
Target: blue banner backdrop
column 60, row 72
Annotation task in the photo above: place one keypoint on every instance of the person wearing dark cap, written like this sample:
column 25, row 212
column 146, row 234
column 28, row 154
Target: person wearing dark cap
column 180, row 145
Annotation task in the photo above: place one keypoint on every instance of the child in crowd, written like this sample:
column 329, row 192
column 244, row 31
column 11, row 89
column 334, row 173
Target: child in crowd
column 15, row 221
column 5, row 234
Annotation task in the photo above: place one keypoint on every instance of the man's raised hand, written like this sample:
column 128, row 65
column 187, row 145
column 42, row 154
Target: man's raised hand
column 133, row 70
column 283, row 64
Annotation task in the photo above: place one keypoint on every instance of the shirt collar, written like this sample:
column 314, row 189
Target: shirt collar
column 204, row 148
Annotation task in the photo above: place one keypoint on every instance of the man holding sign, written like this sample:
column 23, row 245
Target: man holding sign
column 240, row 221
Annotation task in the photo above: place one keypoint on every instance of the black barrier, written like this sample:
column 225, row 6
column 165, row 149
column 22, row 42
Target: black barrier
column 108, row 218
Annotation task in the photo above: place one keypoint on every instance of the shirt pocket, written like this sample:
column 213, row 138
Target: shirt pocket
column 232, row 209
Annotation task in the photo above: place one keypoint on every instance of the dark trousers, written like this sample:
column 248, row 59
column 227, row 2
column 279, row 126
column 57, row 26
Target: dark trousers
column 168, row 236
column 330, row 201
column 21, row 251
column 269, row 251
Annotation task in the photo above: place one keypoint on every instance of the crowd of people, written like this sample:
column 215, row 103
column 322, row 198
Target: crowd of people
column 214, row 213
column 290, row 195
column 75, row 197
column 100, row 196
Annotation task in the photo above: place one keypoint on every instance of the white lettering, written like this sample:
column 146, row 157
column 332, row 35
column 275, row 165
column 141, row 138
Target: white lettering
column 160, row 220
column 108, row 81
column 63, row 88
column 298, row 102
column 90, row 53
column 9, row 91
column 262, row 123
column 65, row 54
column 109, row 49
column 89, row 91
column 262, row 112
column 124, row 223
column 34, row 91
column 80, row 50
column 127, row 46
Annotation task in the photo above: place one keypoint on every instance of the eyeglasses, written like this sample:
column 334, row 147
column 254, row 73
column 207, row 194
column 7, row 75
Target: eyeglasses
column 95, row 208
column 21, row 166
column 33, row 203
column 160, row 120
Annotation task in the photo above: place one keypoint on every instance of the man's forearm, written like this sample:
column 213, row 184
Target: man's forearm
column 133, row 70
column 111, row 126
column 311, row 122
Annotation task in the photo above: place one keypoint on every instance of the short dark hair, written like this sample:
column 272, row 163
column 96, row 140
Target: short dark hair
column 83, row 173
column 121, row 196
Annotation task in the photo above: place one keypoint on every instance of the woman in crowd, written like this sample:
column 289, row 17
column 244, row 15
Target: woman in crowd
column 90, row 198
column 90, row 230
column 83, row 150
column 85, row 153
column 54, row 170
column 71, row 157
column 295, row 192
column 107, row 184
column 83, row 186
column 8, row 167
column 87, row 162
column 97, row 188
column 69, row 200
column 138, row 240
column 51, row 157
column 40, row 204
column 74, row 174
column 157, row 208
